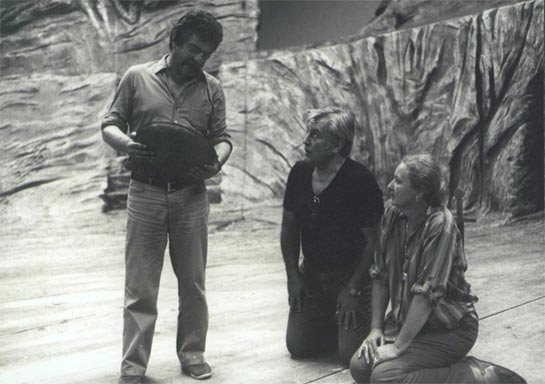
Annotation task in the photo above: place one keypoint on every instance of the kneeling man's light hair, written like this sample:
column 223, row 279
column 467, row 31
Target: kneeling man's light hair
column 340, row 124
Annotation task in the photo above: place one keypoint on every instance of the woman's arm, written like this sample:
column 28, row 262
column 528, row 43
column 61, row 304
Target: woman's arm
column 418, row 314
column 381, row 295
column 419, row 311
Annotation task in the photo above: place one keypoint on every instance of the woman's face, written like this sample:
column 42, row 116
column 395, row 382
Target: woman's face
column 320, row 145
column 401, row 191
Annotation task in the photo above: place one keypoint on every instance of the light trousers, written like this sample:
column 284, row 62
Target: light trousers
column 155, row 217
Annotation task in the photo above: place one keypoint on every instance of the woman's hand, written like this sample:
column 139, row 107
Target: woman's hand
column 386, row 352
column 370, row 345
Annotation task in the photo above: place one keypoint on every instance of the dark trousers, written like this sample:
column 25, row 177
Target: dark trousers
column 315, row 330
column 432, row 357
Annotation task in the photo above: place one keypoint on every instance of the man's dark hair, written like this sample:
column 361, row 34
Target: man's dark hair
column 198, row 22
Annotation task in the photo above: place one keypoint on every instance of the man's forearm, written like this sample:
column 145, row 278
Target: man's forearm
column 115, row 138
column 223, row 150
column 361, row 273
column 290, row 245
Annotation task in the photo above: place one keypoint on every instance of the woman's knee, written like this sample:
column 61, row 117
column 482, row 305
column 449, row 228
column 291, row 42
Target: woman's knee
column 388, row 372
column 346, row 352
column 359, row 369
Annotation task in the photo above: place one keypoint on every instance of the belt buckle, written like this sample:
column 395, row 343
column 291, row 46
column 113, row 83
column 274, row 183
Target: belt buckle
column 171, row 187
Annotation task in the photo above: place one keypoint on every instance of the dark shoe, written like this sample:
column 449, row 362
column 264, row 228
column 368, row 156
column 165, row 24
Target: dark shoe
column 198, row 371
column 130, row 380
column 493, row 373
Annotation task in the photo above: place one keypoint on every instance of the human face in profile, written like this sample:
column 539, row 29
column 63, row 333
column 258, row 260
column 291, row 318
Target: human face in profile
column 401, row 190
column 319, row 144
column 187, row 59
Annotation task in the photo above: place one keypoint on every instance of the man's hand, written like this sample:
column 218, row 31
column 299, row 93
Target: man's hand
column 347, row 306
column 206, row 171
column 138, row 151
column 369, row 346
column 296, row 292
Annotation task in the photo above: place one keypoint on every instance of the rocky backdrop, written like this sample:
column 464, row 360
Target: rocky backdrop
column 462, row 80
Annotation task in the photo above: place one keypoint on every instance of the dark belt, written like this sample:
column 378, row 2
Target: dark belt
column 327, row 275
column 169, row 186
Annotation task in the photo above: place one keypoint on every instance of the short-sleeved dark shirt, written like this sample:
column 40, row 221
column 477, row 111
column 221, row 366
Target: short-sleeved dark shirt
column 331, row 222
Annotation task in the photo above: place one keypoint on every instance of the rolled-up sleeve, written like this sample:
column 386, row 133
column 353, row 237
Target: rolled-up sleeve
column 120, row 110
column 218, row 127
column 438, row 256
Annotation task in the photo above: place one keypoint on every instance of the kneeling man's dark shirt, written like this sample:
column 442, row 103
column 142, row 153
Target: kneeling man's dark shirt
column 331, row 222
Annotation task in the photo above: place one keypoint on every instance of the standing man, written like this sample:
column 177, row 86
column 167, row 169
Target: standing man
column 173, row 91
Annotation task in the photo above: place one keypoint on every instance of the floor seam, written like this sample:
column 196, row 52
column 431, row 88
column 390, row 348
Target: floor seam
column 510, row 308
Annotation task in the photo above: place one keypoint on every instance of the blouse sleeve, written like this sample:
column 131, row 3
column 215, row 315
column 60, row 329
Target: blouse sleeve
column 440, row 252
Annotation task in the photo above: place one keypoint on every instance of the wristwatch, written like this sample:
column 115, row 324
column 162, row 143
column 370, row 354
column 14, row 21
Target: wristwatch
column 355, row 292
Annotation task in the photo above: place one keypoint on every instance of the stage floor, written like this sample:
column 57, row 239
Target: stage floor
column 62, row 292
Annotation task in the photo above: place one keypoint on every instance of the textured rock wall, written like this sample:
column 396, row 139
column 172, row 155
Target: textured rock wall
column 60, row 62
column 469, row 90
column 52, row 153
column 72, row 37
column 402, row 14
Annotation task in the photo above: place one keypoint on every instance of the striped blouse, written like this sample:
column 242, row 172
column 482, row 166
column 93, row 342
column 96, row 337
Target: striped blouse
column 429, row 262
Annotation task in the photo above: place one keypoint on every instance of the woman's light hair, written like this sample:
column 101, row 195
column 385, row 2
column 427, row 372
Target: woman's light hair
column 340, row 124
column 426, row 176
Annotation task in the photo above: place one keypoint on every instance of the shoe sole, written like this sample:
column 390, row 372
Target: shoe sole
column 198, row 377
column 202, row 377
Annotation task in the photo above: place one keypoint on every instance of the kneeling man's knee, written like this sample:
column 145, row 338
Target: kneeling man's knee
column 298, row 347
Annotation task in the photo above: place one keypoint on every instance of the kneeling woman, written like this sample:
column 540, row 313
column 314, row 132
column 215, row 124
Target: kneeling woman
column 420, row 267
column 332, row 211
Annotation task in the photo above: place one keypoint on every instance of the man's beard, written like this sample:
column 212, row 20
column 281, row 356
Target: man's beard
column 194, row 68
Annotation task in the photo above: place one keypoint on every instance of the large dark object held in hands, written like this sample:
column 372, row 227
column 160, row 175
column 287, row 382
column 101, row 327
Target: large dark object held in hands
column 177, row 149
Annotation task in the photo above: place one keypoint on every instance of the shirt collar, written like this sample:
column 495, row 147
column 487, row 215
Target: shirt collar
column 429, row 211
column 161, row 65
